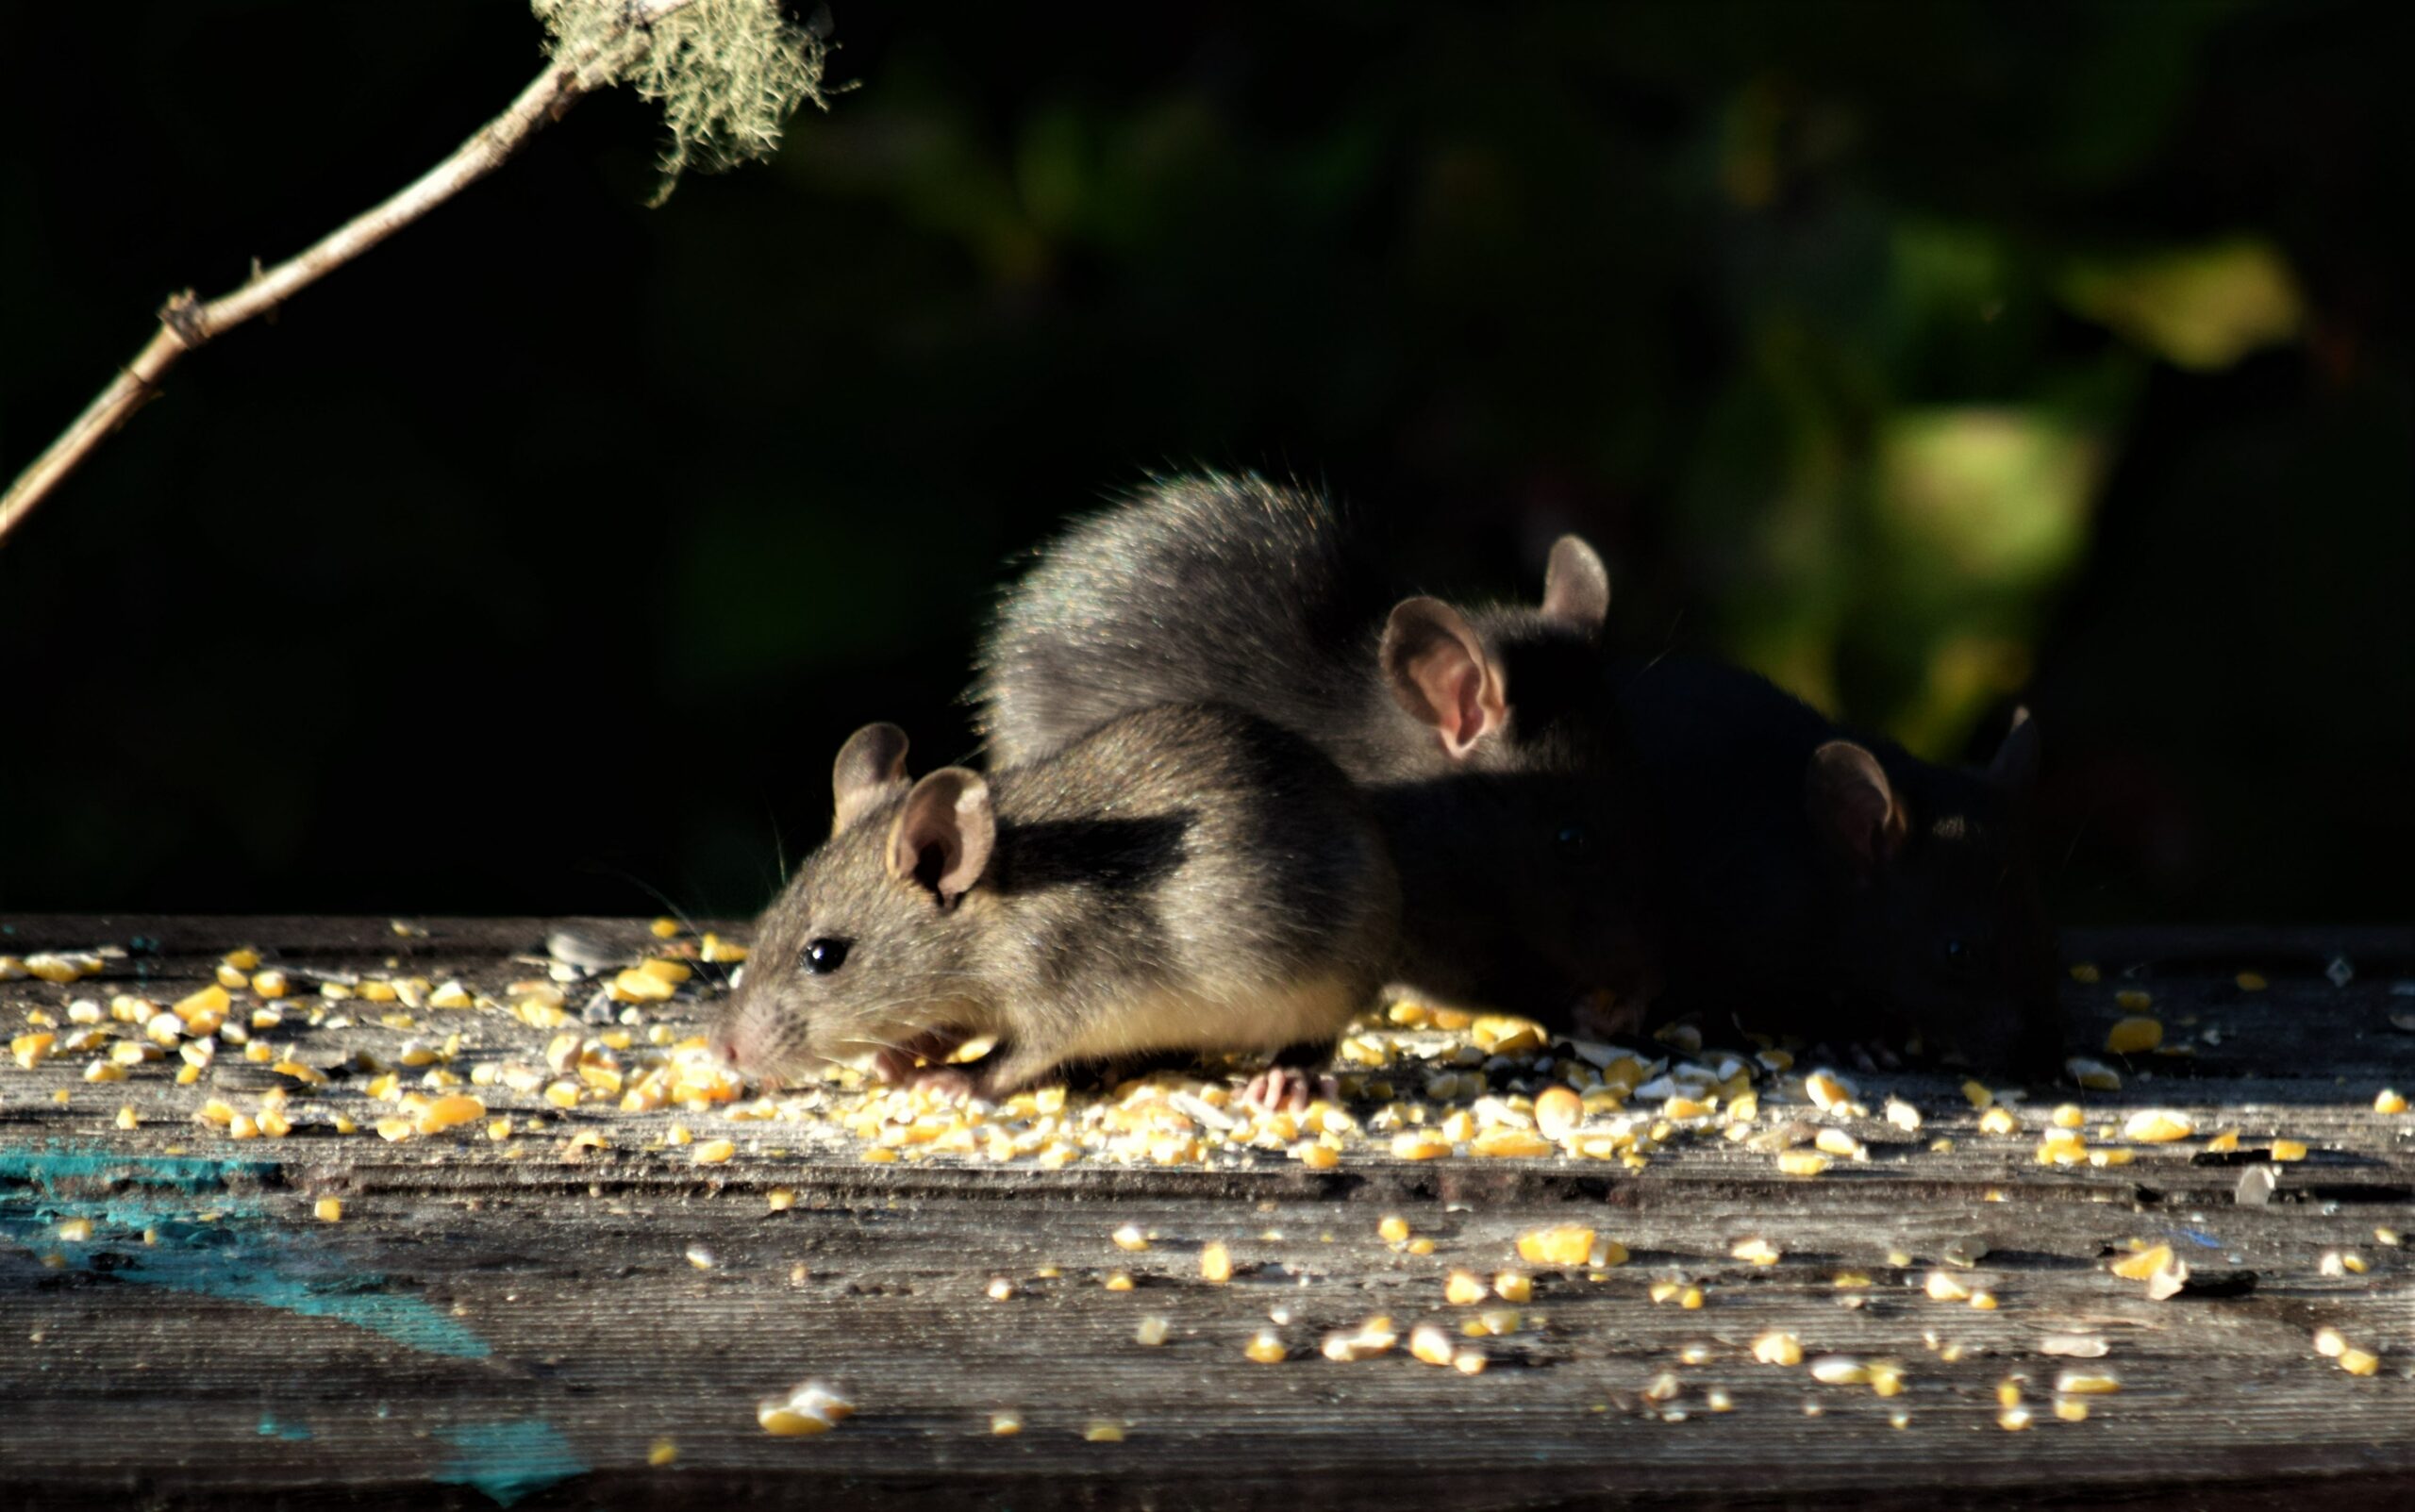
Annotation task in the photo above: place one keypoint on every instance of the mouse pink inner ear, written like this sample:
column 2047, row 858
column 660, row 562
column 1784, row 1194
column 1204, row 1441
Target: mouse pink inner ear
column 1576, row 586
column 871, row 769
column 1441, row 673
column 942, row 838
column 2015, row 767
column 1852, row 806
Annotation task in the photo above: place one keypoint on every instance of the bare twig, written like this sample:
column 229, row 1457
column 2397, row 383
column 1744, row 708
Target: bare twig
column 187, row 324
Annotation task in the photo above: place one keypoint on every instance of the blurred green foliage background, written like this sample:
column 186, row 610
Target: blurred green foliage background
column 1925, row 357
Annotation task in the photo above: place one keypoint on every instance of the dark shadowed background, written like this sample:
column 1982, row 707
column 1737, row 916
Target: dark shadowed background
column 1923, row 356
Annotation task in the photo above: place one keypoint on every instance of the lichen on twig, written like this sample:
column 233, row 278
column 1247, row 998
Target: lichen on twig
column 728, row 73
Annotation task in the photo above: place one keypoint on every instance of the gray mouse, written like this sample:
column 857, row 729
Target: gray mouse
column 1183, row 878
column 1496, row 762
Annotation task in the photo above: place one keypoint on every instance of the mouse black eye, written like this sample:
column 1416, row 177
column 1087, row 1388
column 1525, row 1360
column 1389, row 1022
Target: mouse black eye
column 822, row 956
column 1573, row 840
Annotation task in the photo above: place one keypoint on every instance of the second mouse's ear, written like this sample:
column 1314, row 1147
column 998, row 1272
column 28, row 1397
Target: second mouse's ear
column 942, row 838
column 1576, row 586
column 2015, row 767
column 1852, row 806
column 871, row 769
column 1441, row 672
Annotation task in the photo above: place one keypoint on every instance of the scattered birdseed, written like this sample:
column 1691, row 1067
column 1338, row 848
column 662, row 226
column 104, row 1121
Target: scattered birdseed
column 663, row 1453
column 2287, row 1150
column 1216, row 1263
column 1266, row 1347
column 1150, row 1332
column 1430, row 1344
column 1756, row 1252
column 1130, row 1237
column 1568, row 1245
column 2157, row 1125
column 329, row 1209
column 1777, row 1347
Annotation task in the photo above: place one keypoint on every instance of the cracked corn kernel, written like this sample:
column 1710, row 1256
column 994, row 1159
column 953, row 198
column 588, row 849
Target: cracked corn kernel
column 2157, row 1125
column 2131, row 1000
column 1902, row 1114
column 2133, row 1035
column 1266, row 1347
column 2387, row 1237
column 1419, row 1144
column 1839, row 1370
column 128, row 1119
column 2087, row 1384
column 1558, row 1110
column 1375, row 1337
column 75, row 1230
column 1827, row 1089
column 1511, row 1144
column 1567, row 1244
column 2069, row 1116
column 1152, row 1331
column 1944, row 1285
column 665, row 928
column 2389, row 1101
column 1462, row 1288
column 2288, row 1150
column 2071, row 1409
column 2222, row 1143
column 1005, row 1424
column 2328, row 1342
column 1316, row 1156
column 1838, row 1142
column 1216, row 1263
column 1471, row 1361
column 1802, row 1163
column 811, row 1408
column 1393, row 1228
column 328, row 1209
column 712, row 1152
column 1001, row 1288
column 780, row 1199
column 1104, row 1431
column 1777, row 1348
column 1130, row 1237
column 1999, row 1119
column 2359, row 1362
column 661, row 1452
column 1984, row 1301
column 1514, row 1286
column 1118, row 1281
column 2085, row 972
column 1756, row 1252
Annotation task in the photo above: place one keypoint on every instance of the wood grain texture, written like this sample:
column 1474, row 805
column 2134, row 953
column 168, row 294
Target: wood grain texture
column 484, row 1327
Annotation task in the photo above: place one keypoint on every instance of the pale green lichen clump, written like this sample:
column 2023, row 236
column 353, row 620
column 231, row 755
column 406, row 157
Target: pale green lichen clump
column 727, row 73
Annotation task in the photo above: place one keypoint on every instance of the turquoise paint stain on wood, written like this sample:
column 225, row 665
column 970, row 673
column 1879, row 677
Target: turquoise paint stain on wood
column 507, row 1460
column 236, row 1253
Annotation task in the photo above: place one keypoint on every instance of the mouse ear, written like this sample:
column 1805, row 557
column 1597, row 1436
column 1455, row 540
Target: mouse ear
column 871, row 769
column 1443, row 674
column 942, row 838
column 2015, row 767
column 1576, row 586
column 1853, row 807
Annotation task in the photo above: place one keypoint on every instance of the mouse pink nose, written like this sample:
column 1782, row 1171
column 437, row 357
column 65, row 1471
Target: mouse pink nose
column 729, row 1045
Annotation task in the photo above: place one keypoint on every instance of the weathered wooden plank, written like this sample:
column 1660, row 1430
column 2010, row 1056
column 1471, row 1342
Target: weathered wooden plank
column 485, row 1323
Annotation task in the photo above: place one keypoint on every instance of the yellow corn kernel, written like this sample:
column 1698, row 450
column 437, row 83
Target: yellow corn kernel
column 1005, row 1424
column 396, row 1130
column 1152, row 1332
column 1944, row 1285
column 1558, row 1110
column 1462, row 1288
column 2087, row 1383
column 2389, row 1101
column 449, row 1112
column 2222, row 1143
column 1777, row 1347
column 662, row 970
column 1756, row 1252
column 1838, row 1142
column 1216, row 1264
column 306, row 1075
column 2141, row 1263
column 780, row 1199
column 1839, row 1370
column 1979, row 1094
column 1999, row 1119
column 1266, row 1347
column 1392, row 1229
column 1511, row 1144
column 1802, row 1163
column 328, row 1209
column 2157, row 1125
column 2086, row 973
column 712, row 1152
column 230, row 978
column 2251, row 982
column 2360, row 1362
column 2288, row 1150
column 2132, row 1000
column 1419, row 1144
column 811, row 1408
column 1316, row 1156
column 1514, row 1286
column 1118, row 1281
column 1827, row 1089
column 75, row 1230
column 665, row 928
column 128, row 1119
column 1130, row 1237
column 662, row 1453
column 1567, row 1245
column 2132, row 1035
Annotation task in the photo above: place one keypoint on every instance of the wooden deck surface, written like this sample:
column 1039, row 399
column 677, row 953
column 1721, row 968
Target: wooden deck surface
column 512, row 1321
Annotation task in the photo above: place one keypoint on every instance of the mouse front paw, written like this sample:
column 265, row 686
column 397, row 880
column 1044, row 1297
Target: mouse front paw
column 944, row 1083
column 1290, row 1089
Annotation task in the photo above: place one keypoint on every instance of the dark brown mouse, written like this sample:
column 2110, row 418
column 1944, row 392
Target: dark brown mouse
column 1181, row 878
column 1833, row 885
column 1484, row 735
